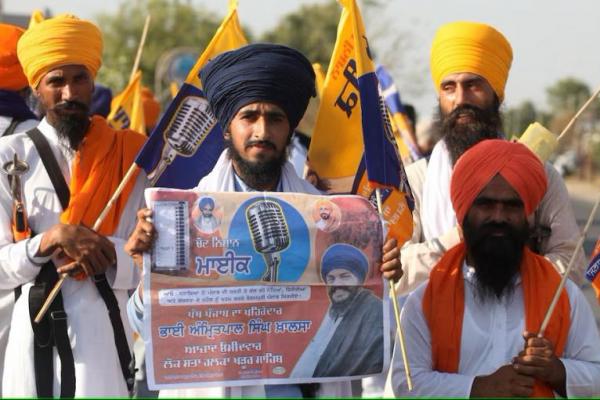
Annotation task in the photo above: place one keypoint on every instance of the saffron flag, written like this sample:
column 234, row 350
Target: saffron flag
column 353, row 148
column 126, row 109
column 399, row 119
column 187, row 141
column 593, row 271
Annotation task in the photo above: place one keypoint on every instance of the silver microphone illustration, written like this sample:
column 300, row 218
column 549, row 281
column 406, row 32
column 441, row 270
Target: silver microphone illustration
column 189, row 126
column 270, row 234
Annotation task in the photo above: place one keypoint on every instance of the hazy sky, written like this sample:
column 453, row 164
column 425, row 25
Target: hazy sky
column 551, row 39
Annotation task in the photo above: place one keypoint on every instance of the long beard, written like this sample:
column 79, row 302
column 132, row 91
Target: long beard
column 497, row 259
column 460, row 137
column 257, row 174
column 71, row 128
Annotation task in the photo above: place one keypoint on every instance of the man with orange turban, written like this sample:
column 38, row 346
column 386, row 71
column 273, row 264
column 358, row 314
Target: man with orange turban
column 151, row 109
column 472, row 329
column 15, row 115
column 469, row 68
column 75, row 163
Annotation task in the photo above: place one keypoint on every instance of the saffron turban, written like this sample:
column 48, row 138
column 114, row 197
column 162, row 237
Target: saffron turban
column 11, row 73
column 521, row 168
column 151, row 107
column 59, row 41
column 344, row 256
column 471, row 47
column 258, row 72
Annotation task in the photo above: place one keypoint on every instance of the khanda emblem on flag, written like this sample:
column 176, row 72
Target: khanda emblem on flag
column 187, row 129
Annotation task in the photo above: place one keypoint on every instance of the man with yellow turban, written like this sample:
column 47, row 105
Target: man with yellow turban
column 74, row 163
column 472, row 329
column 469, row 68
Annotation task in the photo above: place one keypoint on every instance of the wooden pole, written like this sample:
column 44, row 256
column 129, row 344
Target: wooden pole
column 567, row 270
column 138, row 55
column 397, row 311
column 52, row 295
column 581, row 110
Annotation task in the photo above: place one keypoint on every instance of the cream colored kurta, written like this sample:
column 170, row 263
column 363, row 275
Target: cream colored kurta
column 418, row 256
column 7, row 297
column 97, row 368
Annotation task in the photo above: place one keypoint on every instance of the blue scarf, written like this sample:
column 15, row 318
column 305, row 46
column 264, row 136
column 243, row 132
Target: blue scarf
column 13, row 105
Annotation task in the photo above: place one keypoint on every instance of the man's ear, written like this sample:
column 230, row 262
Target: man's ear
column 227, row 135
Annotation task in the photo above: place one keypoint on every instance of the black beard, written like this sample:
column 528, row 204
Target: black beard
column 460, row 137
column 497, row 259
column 260, row 173
column 339, row 308
column 71, row 127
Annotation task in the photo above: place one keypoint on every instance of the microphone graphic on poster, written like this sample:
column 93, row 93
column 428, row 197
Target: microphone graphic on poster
column 270, row 234
column 189, row 126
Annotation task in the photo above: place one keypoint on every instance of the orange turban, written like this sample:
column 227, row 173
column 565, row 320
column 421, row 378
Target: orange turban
column 471, row 47
column 11, row 73
column 521, row 168
column 151, row 107
column 59, row 41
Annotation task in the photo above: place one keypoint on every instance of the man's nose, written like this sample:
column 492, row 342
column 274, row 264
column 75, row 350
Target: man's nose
column 260, row 129
column 498, row 212
column 69, row 93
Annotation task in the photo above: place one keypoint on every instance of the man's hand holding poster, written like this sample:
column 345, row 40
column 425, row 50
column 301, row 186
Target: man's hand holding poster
column 249, row 288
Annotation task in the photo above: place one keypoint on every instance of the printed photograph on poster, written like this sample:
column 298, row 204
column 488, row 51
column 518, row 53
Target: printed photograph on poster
column 263, row 288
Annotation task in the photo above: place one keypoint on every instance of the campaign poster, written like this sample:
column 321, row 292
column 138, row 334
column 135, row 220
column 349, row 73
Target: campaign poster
column 263, row 288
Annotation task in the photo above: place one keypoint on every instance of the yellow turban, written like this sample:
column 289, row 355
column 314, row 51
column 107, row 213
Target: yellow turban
column 54, row 42
column 471, row 47
column 11, row 73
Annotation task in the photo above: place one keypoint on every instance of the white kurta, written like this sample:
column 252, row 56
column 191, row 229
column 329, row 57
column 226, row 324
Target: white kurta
column 223, row 179
column 7, row 297
column 97, row 368
column 492, row 336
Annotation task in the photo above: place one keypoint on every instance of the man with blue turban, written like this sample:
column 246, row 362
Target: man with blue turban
column 355, row 316
column 258, row 93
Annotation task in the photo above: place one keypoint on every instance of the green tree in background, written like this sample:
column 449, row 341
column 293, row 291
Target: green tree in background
column 174, row 24
column 567, row 94
column 517, row 119
column 311, row 29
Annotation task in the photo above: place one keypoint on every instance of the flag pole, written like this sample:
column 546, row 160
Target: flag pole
column 396, row 310
column 138, row 55
column 567, row 270
column 58, row 285
column 581, row 110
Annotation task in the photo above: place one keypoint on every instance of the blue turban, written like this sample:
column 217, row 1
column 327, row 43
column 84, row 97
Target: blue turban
column 259, row 72
column 344, row 256
column 206, row 201
column 101, row 99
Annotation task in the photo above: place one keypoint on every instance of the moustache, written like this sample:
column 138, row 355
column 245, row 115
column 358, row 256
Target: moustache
column 71, row 106
column 469, row 110
column 263, row 143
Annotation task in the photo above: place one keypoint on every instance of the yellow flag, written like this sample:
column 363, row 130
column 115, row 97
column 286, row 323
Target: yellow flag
column 353, row 125
column 338, row 130
column 319, row 77
column 126, row 109
column 37, row 16
column 229, row 36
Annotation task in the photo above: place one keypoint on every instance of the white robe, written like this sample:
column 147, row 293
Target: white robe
column 7, row 297
column 97, row 368
column 222, row 179
column 492, row 336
